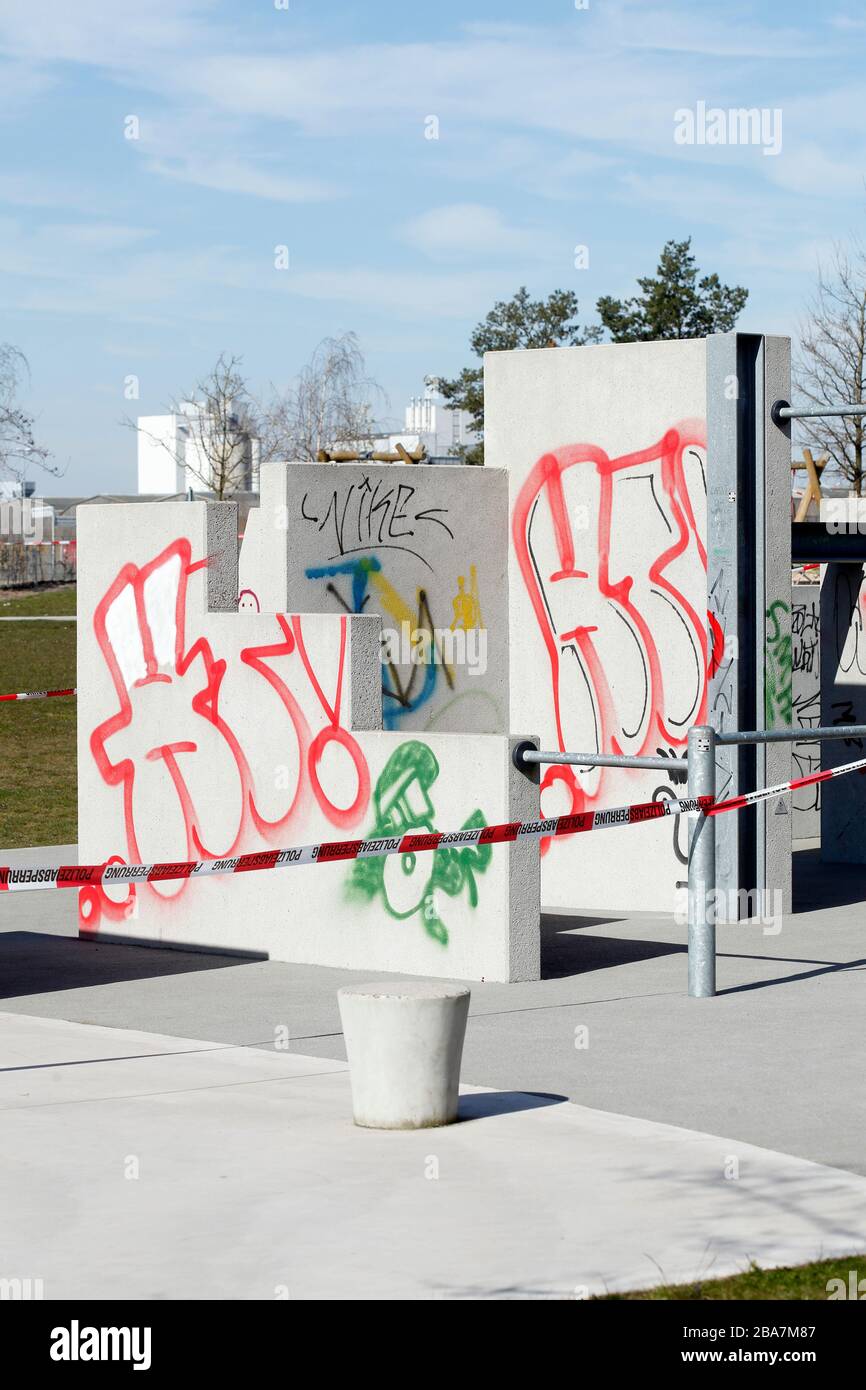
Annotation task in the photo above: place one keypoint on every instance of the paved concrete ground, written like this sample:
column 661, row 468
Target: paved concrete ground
column 142, row 1166
column 777, row 1060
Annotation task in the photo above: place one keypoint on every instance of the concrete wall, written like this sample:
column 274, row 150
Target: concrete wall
column 749, row 601
column 605, row 450
column 773, row 761
column 843, row 697
column 806, row 709
column 637, row 609
column 205, row 731
column 426, row 548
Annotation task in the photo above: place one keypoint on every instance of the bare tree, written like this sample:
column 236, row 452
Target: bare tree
column 329, row 404
column 832, row 363
column 219, row 434
column 18, row 447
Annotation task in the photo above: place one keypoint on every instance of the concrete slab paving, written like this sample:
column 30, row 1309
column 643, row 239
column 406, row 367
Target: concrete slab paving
column 777, row 1060
column 137, row 1165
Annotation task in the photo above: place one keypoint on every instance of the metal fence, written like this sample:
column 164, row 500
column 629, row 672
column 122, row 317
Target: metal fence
column 43, row 562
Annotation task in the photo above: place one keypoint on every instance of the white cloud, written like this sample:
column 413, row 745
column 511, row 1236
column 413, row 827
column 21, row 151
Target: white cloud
column 20, row 85
column 550, row 168
column 236, row 176
column 800, row 256
column 29, row 189
column 469, row 229
column 54, row 271
column 846, row 23
column 607, row 79
column 709, row 32
column 101, row 271
column 561, row 113
column 408, row 295
column 727, row 201
column 98, row 34
column 814, row 173
column 93, row 236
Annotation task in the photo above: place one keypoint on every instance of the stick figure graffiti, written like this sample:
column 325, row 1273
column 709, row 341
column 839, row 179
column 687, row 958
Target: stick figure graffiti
column 407, row 883
column 467, row 608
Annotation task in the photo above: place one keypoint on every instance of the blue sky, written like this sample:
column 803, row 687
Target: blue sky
column 262, row 126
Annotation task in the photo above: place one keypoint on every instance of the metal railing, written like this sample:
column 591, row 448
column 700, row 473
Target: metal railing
column 701, row 767
column 702, row 842
column 781, row 411
column 528, row 753
column 803, row 734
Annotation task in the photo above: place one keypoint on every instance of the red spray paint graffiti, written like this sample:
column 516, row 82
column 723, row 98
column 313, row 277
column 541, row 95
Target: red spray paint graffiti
column 618, row 596
column 162, row 680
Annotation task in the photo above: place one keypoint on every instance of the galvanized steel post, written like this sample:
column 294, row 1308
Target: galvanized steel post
column 702, row 866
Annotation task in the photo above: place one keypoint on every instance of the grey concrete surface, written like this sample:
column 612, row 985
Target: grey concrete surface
column 140, row 1166
column 777, row 1060
column 249, row 768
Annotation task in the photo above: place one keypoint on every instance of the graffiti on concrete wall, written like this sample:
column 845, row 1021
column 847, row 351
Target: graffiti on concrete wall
column 671, row 790
column 175, row 744
column 849, row 600
column 416, row 654
column 612, row 557
column 187, row 741
column 777, row 665
column 426, row 550
column 805, row 630
column 408, row 885
column 843, row 702
column 362, row 516
column 370, row 531
column 805, row 705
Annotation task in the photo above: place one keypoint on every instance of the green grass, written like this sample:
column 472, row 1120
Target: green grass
column 37, row 738
column 48, row 601
column 796, row 1282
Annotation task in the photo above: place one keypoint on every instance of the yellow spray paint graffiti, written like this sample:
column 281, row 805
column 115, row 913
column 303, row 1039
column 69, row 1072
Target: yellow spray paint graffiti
column 467, row 608
column 414, row 649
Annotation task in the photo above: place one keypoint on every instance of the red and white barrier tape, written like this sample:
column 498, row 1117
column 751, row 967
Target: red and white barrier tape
column 77, row 875
column 736, row 803
column 24, row 877
column 37, row 694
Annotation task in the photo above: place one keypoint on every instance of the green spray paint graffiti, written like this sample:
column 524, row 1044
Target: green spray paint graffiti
column 407, row 884
column 778, row 699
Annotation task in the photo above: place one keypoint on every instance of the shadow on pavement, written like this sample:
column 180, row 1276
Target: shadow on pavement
column 489, row 1103
column 825, row 967
column 34, row 963
column 566, row 951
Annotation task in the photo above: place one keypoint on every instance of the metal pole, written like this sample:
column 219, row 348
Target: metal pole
column 800, row 735
column 781, row 410
column 702, row 867
column 528, row 753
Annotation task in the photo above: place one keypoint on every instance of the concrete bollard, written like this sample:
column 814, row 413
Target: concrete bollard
column 404, row 1043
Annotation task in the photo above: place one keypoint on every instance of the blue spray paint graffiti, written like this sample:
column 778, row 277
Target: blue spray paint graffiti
column 399, row 698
